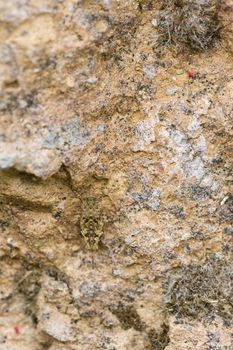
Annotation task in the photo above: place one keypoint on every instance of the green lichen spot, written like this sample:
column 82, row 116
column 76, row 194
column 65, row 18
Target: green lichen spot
column 198, row 291
column 159, row 339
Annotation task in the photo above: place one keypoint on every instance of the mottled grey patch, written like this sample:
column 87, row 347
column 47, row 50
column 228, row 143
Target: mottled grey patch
column 71, row 134
column 228, row 231
column 214, row 341
column 199, row 193
column 144, row 196
column 149, row 71
column 177, row 211
column 90, row 290
column 154, row 205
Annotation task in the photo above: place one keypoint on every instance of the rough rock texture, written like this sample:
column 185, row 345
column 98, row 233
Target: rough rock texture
column 116, row 166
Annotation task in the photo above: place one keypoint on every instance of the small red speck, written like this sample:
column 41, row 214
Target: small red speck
column 190, row 74
column 17, row 329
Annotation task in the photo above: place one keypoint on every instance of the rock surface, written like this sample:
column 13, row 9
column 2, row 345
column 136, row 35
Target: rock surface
column 116, row 203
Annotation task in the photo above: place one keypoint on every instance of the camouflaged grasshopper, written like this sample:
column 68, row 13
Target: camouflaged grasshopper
column 92, row 222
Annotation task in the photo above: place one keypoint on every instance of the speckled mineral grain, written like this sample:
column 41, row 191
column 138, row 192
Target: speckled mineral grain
column 115, row 171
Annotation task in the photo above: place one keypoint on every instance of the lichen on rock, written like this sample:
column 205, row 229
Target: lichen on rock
column 115, row 174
